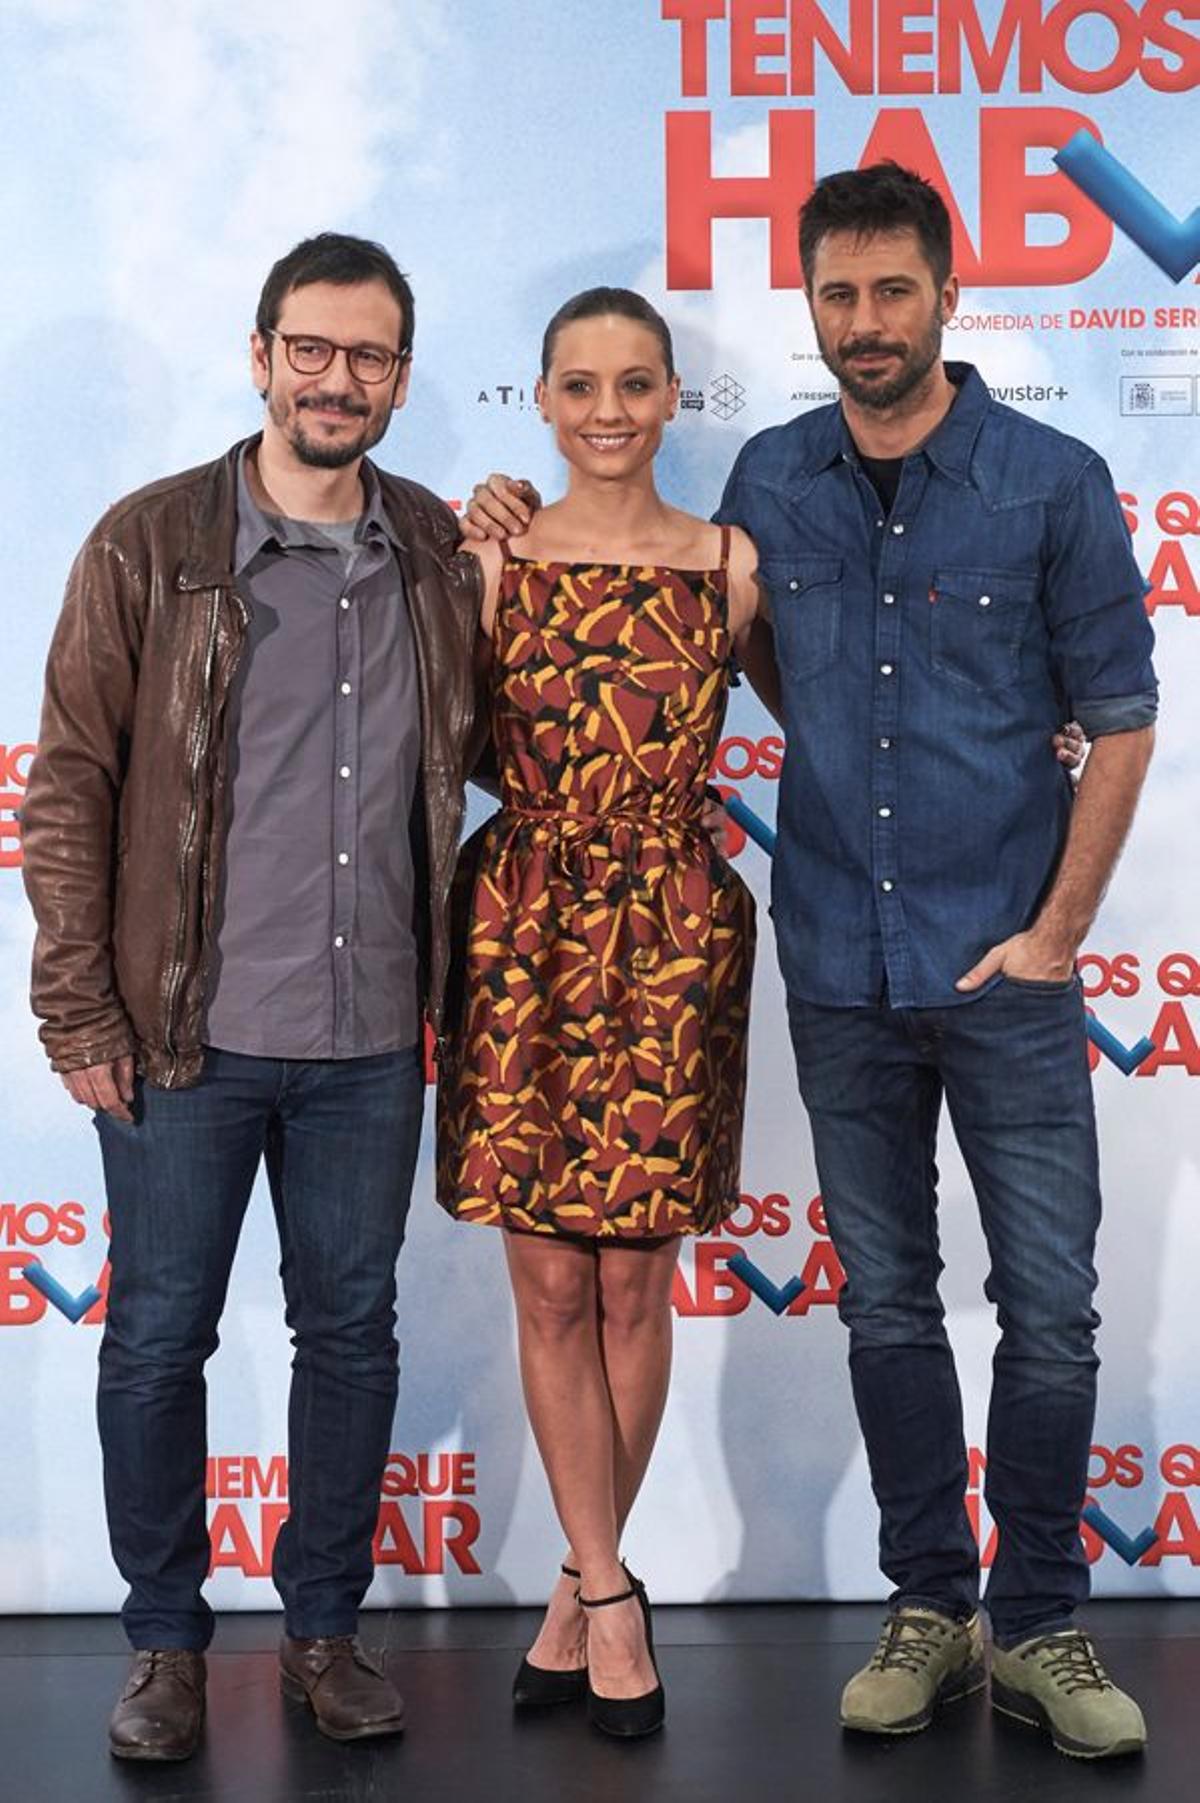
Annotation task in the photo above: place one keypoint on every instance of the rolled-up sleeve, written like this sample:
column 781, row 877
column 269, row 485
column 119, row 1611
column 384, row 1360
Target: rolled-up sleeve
column 1094, row 597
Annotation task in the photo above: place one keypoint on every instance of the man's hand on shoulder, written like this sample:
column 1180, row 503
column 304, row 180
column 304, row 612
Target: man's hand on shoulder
column 105, row 1088
column 501, row 507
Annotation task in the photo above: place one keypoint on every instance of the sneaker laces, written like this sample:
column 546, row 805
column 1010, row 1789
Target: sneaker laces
column 1069, row 1660
column 908, row 1642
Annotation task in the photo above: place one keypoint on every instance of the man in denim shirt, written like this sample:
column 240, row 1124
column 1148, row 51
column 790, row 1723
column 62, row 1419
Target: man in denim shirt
column 948, row 579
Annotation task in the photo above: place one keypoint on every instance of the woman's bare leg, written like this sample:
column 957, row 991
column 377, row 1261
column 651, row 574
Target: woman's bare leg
column 634, row 1284
column 570, row 1410
column 635, row 1339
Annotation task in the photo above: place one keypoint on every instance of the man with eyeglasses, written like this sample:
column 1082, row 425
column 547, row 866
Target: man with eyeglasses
column 239, row 836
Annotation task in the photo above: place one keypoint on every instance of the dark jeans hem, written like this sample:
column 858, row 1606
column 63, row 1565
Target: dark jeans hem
column 334, row 1627
column 953, row 1611
column 171, row 1640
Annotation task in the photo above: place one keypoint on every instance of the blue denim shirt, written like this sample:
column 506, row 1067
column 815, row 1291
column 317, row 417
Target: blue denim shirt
column 926, row 660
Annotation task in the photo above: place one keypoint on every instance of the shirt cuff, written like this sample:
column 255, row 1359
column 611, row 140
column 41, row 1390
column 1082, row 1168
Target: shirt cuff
column 1117, row 713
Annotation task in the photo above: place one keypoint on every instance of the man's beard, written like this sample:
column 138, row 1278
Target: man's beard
column 316, row 453
column 915, row 364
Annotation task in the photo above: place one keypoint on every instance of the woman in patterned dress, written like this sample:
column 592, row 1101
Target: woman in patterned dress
column 592, row 1083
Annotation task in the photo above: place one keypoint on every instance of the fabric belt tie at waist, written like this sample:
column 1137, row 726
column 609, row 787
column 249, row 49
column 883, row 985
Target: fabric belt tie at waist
column 623, row 816
column 574, row 834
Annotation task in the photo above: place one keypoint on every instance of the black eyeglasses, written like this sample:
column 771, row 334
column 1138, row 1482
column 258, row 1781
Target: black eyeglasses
column 309, row 356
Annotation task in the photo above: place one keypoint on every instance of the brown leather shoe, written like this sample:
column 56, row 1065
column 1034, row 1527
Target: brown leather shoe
column 344, row 1687
column 160, row 1712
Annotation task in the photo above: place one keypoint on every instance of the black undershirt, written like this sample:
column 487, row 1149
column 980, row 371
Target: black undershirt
column 885, row 477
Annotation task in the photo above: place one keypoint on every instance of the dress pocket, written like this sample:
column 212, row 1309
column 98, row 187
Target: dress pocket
column 805, row 595
column 977, row 621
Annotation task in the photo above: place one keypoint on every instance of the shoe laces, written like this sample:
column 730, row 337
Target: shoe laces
column 908, row 1642
column 173, row 1662
column 1069, row 1660
column 328, row 1649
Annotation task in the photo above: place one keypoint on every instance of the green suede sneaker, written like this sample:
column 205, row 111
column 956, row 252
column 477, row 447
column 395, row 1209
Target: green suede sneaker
column 1055, row 1681
column 923, row 1658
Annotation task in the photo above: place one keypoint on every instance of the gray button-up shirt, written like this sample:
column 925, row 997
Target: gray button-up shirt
column 314, row 947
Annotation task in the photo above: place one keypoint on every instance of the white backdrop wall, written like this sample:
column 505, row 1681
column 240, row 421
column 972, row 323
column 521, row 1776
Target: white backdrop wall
column 156, row 161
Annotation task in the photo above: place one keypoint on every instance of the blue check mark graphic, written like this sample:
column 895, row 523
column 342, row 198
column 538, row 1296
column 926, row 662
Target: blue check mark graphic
column 1130, row 1550
column 73, row 1307
column 1171, row 243
column 777, row 1300
column 750, row 823
column 1126, row 1058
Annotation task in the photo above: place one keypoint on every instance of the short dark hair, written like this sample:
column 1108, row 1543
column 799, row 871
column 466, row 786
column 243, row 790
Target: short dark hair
column 335, row 257
column 883, row 197
column 594, row 303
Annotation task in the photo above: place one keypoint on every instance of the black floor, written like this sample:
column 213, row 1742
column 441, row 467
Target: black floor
column 752, row 1711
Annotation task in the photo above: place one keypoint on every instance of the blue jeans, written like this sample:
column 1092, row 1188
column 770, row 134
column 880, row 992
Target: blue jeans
column 1013, row 1068
column 340, row 1140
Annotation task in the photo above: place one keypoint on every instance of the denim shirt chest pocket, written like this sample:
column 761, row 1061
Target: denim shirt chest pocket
column 805, row 595
column 978, row 619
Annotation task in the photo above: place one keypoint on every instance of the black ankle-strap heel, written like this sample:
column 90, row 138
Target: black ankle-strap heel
column 535, row 1687
column 628, row 1718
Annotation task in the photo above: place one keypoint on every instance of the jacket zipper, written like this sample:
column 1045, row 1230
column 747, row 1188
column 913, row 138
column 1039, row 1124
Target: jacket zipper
column 205, row 917
column 439, row 1044
column 197, row 749
column 423, row 684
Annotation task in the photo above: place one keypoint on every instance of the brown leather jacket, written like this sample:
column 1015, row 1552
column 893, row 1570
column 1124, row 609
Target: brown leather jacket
column 124, row 818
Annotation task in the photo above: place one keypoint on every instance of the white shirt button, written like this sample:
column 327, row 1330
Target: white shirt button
column 345, row 688
column 885, row 744
column 344, row 603
column 793, row 585
column 885, row 813
column 897, row 529
column 340, row 940
column 889, row 600
column 985, row 600
column 879, row 522
column 343, row 857
column 886, row 669
column 887, row 885
column 344, row 772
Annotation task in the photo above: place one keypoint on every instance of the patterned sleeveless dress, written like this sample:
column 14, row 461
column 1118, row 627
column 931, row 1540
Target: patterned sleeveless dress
column 593, row 1078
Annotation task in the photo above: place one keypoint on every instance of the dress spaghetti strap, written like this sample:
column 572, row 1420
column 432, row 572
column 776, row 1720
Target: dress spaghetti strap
column 726, row 537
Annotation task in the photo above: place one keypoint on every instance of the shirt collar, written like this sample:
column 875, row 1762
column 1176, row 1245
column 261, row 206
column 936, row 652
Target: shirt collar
column 375, row 514
column 831, row 441
column 949, row 447
column 256, row 529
